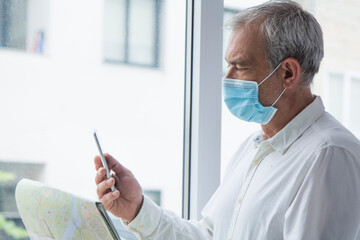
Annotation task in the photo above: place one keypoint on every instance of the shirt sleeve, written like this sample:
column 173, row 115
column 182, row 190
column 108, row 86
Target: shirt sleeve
column 153, row 222
column 327, row 205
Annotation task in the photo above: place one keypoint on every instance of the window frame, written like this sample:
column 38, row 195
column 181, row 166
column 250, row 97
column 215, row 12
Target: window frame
column 4, row 26
column 155, row 47
column 202, row 117
column 346, row 104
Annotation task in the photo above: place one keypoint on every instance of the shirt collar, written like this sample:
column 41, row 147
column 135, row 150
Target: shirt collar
column 297, row 126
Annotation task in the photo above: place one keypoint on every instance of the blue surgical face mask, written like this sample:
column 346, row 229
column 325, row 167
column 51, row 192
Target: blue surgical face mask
column 242, row 99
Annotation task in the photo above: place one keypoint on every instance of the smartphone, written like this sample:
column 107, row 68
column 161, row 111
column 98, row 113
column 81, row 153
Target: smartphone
column 103, row 160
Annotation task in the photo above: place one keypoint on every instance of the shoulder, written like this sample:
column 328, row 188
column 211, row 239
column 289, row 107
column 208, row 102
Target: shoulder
column 326, row 145
column 328, row 133
column 334, row 159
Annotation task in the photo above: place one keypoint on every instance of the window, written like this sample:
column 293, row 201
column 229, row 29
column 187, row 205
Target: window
column 129, row 38
column 342, row 97
column 154, row 195
column 339, row 90
column 233, row 132
column 354, row 118
column 10, row 173
column 24, row 25
column 50, row 105
column 228, row 13
column 13, row 18
column 336, row 89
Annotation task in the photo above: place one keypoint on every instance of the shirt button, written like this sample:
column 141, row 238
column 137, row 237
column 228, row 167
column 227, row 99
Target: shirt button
column 141, row 227
column 256, row 162
column 240, row 200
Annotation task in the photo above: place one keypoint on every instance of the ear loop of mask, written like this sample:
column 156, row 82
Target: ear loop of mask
column 278, row 97
column 270, row 74
column 267, row 78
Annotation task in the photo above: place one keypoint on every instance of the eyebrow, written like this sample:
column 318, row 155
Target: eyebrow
column 238, row 61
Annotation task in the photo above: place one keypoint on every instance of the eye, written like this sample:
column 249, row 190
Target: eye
column 240, row 67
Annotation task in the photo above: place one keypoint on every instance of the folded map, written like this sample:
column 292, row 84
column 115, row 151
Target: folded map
column 48, row 213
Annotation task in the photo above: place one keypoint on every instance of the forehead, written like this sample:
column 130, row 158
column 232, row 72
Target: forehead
column 245, row 44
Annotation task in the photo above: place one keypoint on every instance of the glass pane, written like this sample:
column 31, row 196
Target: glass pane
column 142, row 32
column 336, row 99
column 354, row 101
column 114, row 30
column 24, row 25
column 228, row 13
column 13, row 17
column 233, row 130
column 341, row 38
column 50, row 104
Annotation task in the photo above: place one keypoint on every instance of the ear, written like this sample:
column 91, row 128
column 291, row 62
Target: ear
column 292, row 71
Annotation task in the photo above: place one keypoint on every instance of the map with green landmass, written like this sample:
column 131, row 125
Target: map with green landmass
column 52, row 214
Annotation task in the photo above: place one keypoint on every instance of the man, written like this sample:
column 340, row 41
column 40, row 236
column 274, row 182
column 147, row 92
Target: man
column 298, row 178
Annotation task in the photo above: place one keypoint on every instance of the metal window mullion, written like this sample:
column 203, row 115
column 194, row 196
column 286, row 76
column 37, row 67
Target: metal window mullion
column 156, row 46
column 127, row 31
column 187, row 109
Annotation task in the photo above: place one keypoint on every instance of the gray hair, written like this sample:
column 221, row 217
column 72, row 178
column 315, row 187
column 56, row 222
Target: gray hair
column 289, row 31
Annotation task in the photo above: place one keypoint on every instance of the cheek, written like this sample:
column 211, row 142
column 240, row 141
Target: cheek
column 263, row 98
column 268, row 92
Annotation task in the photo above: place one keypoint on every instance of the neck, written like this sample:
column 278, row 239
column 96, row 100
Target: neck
column 289, row 106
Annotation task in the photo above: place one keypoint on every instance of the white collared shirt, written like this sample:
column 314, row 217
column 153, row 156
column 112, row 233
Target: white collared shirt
column 303, row 183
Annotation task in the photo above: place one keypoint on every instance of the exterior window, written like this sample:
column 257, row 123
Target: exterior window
column 128, row 38
column 11, row 226
column 13, row 29
column 23, row 24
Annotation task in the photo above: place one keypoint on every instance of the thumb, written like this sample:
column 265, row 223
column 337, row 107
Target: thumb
column 114, row 165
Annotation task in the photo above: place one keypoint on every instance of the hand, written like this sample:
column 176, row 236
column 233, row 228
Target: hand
column 127, row 200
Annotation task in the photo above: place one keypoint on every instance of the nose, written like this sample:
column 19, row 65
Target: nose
column 230, row 72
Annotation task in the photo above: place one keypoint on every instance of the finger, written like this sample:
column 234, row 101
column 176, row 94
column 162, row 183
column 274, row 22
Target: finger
column 100, row 175
column 108, row 199
column 98, row 163
column 117, row 167
column 104, row 187
column 117, row 180
column 115, row 177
